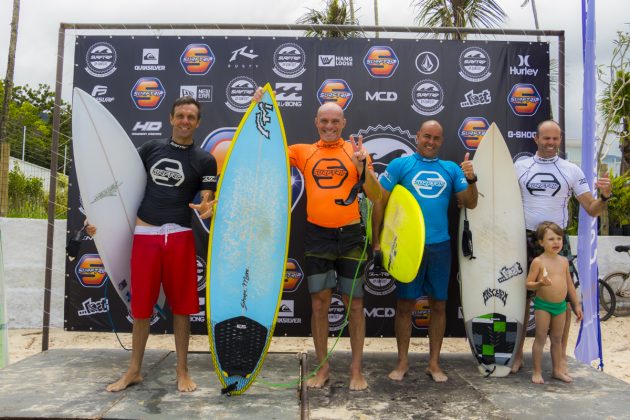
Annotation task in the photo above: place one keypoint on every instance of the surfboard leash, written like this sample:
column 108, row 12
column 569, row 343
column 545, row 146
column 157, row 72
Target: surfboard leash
column 111, row 322
column 298, row 381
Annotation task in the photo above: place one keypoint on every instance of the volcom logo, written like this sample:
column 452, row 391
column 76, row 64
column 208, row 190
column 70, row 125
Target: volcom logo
column 167, row 172
column 507, row 273
column 427, row 62
column 543, row 184
column 496, row 293
column 429, row 184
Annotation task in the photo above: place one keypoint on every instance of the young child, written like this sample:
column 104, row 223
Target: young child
column 549, row 276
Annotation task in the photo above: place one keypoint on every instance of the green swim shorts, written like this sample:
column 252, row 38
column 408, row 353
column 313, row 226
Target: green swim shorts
column 554, row 308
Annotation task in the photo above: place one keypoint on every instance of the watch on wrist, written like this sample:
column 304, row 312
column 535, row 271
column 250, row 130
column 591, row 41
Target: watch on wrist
column 473, row 180
column 604, row 198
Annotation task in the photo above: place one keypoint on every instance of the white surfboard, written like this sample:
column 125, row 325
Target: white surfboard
column 112, row 180
column 493, row 283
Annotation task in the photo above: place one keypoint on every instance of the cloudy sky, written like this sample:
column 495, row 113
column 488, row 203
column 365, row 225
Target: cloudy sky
column 39, row 23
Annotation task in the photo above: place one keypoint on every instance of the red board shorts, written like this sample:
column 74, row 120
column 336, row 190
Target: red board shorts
column 164, row 256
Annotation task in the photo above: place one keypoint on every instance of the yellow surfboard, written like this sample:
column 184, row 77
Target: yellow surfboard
column 402, row 236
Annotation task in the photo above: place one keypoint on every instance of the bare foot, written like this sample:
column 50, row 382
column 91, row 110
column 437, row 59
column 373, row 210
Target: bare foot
column 319, row 380
column 436, row 374
column 185, row 383
column 399, row 372
column 357, row 382
column 127, row 380
column 564, row 365
column 517, row 365
column 562, row 377
column 537, row 378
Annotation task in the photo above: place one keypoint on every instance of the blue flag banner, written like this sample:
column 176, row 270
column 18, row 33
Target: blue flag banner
column 589, row 343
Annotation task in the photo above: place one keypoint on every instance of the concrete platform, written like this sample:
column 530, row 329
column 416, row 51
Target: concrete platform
column 71, row 384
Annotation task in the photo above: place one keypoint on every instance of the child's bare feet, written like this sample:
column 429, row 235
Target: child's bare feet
column 562, row 377
column 537, row 378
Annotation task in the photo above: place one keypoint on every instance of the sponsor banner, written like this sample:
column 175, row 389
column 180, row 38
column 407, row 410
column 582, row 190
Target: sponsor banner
column 387, row 88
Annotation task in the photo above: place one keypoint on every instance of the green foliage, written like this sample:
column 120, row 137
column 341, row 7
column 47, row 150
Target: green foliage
column 26, row 196
column 336, row 12
column 459, row 14
column 619, row 204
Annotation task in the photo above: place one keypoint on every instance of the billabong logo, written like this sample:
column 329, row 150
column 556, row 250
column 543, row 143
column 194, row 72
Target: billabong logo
column 427, row 62
column 523, row 68
column 506, row 273
column 543, row 184
column 201, row 273
column 471, row 131
column 427, row 97
column 335, row 90
column 489, row 293
column 91, row 307
column 381, row 62
column 101, row 59
column 90, row 271
column 197, row 59
column 289, row 60
column 289, row 94
column 524, row 99
column 148, row 93
column 239, row 93
column 474, row 64
column 429, row 184
column 474, row 99
column 167, row 172
column 329, row 173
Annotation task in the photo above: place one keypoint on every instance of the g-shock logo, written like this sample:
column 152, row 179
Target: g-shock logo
column 329, row 173
column 543, row 184
column 167, row 172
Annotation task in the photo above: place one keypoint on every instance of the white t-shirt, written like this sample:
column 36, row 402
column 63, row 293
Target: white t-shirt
column 546, row 187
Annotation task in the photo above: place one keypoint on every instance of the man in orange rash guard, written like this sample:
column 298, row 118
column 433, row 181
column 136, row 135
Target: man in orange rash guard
column 335, row 237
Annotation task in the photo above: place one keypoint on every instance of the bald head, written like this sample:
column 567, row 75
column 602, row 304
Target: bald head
column 330, row 122
column 431, row 124
column 548, row 139
column 429, row 139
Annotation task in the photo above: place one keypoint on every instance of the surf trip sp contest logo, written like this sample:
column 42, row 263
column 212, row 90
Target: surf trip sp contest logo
column 474, row 64
column 524, row 99
column 197, row 59
column 335, row 90
column 100, row 59
column 148, row 93
column 427, row 97
column 381, row 62
column 289, row 60
column 239, row 92
column 293, row 276
column 421, row 314
column 90, row 271
column 329, row 173
column 471, row 131
column 429, row 184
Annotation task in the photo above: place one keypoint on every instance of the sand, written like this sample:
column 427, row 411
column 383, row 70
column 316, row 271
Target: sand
column 27, row 342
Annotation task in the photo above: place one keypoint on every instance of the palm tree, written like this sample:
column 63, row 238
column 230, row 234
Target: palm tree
column 615, row 106
column 335, row 12
column 459, row 14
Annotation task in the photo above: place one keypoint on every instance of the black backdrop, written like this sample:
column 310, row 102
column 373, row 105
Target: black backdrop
column 387, row 88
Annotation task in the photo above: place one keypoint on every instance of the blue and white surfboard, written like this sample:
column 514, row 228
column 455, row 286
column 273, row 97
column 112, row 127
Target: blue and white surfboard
column 248, row 246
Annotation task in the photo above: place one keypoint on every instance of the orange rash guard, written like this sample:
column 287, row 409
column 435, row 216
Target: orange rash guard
column 329, row 174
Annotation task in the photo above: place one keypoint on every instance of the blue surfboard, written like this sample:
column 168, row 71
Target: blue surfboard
column 248, row 247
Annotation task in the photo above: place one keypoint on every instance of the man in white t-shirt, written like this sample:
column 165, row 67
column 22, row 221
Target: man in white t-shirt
column 547, row 183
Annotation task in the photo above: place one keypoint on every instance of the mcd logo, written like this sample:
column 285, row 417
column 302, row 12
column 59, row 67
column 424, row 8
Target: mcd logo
column 148, row 93
column 524, row 99
column 90, row 271
column 381, row 62
column 335, row 90
column 329, row 173
column 381, row 96
column 293, row 276
column 471, row 131
column 197, row 59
